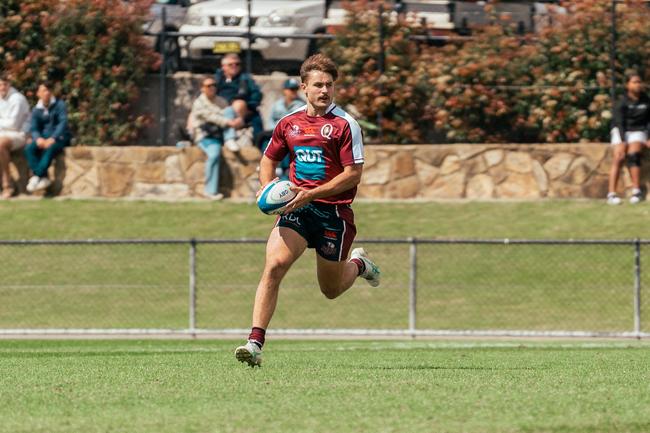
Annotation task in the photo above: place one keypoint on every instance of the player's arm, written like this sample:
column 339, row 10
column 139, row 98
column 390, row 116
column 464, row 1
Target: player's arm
column 275, row 151
column 348, row 179
column 267, row 172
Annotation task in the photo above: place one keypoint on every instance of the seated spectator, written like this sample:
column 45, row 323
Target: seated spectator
column 14, row 129
column 50, row 134
column 241, row 92
column 209, row 122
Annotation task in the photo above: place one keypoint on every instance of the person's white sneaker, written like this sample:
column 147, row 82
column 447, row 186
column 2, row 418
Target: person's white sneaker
column 372, row 272
column 31, row 184
column 232, row 145
column 216, row 197
column 42, row 183
column 636, row 196
column 613, row 199
column 249, row 353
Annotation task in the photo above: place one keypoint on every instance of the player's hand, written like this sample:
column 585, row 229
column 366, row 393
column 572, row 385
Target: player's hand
column 303, row 198
column 259, row 191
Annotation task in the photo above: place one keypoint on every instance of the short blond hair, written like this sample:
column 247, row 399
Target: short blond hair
column 318, row 62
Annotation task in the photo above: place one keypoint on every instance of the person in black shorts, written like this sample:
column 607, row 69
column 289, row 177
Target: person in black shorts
column 629, row 136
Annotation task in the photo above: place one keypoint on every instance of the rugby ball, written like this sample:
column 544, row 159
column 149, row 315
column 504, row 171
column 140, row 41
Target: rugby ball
column 275, row 196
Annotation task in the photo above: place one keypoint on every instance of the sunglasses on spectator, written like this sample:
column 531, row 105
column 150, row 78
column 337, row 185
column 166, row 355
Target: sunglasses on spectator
column 232, row 64
column 210, row 85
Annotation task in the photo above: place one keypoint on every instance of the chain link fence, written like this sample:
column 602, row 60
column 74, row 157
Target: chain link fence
column 429, row 287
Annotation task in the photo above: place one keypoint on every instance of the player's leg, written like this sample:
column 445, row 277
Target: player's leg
column 618, row 157
column 634, row 166
column 283, row 248
column 335, row 273
column 335, row 278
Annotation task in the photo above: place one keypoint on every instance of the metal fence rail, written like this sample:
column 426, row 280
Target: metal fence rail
column 430, row 287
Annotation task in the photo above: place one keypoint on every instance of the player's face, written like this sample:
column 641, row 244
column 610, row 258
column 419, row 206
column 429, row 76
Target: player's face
column 319, row 89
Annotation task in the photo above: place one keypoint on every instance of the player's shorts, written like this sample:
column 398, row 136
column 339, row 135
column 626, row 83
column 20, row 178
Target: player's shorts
column 630, row 137
column 18, row 139
column 328, row 228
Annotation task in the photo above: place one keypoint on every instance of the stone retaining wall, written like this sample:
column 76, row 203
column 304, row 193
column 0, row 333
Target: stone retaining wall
column 391, row 172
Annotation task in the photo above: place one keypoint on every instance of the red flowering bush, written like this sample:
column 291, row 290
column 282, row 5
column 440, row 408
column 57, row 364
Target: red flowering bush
column 550, row 86
column 94, row 53
column 401, row 92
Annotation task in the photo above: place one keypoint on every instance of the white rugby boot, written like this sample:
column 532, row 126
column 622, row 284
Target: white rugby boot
column 372, row 272
column 250, row 353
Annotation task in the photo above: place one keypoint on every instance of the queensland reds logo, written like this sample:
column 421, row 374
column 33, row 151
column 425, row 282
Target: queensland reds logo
column 295, row 131
column 326, row 131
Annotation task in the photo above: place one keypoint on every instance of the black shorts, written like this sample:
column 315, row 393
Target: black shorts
column 328, row 228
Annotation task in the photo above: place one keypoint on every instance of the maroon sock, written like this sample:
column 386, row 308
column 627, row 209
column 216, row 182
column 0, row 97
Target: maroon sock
column 257, row 336
column 360, row 265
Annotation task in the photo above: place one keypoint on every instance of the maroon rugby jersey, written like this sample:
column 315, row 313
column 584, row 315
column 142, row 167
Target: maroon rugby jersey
column 318, row 147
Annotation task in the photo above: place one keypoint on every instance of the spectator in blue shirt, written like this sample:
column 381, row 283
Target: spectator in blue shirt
column 289, row 102
column 242, row 93
column 50, row 134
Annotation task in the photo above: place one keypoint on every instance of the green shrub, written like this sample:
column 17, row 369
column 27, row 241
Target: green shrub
column 93, row 51
column 551, row 86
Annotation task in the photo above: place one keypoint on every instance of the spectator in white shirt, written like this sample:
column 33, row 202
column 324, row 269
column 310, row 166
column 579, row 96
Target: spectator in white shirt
column 14, row 129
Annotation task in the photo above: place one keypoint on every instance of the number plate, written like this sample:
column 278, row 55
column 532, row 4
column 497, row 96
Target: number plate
column 226, row 47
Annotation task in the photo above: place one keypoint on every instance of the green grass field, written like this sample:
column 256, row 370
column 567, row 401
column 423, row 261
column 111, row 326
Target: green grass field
column 549, row 219
column 324, row 386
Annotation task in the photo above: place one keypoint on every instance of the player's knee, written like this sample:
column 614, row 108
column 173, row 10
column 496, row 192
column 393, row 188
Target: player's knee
column 330, row 292
column 330, row 289
column 277, row 267
column 634, row 159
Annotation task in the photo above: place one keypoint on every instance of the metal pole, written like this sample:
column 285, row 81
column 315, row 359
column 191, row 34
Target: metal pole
column 249, row 52
column 612, row 56
column 413, row 281
column 192, row 285
column 637, row 287
column 380, row 66
column 163, row 80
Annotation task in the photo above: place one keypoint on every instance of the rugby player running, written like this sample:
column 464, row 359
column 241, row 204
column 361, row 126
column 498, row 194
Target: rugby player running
column 325, row 147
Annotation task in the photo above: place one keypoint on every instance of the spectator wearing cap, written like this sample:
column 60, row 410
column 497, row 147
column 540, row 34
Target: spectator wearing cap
column 288, row 103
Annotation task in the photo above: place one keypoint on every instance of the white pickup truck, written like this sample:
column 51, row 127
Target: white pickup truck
column 268, row 17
